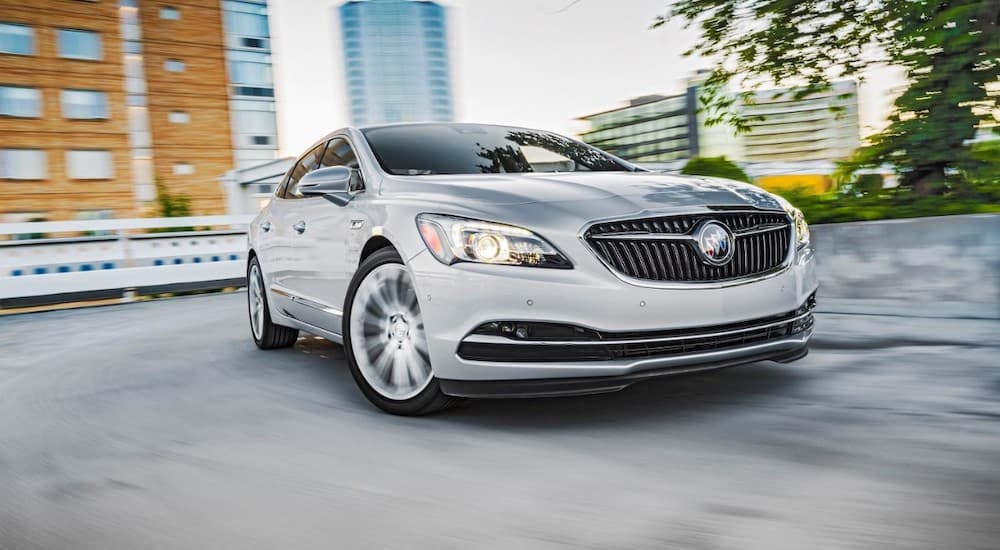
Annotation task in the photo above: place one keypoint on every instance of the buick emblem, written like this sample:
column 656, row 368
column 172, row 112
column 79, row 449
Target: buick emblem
column 715, row 242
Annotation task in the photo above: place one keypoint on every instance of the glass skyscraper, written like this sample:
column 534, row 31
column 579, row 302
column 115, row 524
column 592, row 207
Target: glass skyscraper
column 396, row 61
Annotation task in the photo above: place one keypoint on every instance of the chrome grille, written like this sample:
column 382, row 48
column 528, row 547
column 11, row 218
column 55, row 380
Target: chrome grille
column 664, row 249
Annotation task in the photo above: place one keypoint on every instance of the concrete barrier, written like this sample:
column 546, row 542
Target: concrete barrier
column 930, row 267
column 945, row 266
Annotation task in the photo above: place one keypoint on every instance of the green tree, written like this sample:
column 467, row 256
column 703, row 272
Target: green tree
column 950, row 50
column 172, row 205
column 719, row 167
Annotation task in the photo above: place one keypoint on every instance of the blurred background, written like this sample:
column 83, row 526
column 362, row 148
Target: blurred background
column 138, row 109
column 138, row 138
column 119, row 120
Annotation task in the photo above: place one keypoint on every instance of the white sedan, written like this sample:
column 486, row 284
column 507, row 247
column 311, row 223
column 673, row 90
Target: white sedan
column 467, row 260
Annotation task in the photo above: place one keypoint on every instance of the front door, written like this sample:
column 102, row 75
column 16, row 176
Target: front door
column 281, row 254
column 318, row 230
column 321, row 232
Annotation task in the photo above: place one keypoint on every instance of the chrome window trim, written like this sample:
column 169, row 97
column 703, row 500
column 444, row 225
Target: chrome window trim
column 781, row 269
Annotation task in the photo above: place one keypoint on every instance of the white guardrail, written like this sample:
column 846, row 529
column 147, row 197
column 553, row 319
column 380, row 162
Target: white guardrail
column 119, row 258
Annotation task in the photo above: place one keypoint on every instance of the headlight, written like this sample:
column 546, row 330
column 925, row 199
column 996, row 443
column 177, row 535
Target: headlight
column 451, row 239
column 801, row 227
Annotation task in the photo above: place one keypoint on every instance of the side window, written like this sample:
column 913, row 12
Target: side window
column 340, row 153
column 306, row 164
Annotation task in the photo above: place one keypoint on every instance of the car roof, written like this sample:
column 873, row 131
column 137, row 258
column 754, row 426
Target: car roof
column 432, row 123
column 352, row 129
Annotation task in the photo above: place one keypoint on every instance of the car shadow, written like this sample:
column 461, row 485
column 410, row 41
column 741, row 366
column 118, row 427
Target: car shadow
column 666, row 399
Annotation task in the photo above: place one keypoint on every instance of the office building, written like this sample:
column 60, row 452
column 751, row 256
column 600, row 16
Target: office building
column 652, row 128
column 662, row 129
column 101, row 101
column 821, row 126
column 396, row 61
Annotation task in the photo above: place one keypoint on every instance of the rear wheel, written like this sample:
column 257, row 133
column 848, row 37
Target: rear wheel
column 266, row 334
column 384, row 339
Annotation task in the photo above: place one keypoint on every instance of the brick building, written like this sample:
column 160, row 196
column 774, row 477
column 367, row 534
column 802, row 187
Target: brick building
column 100, row 100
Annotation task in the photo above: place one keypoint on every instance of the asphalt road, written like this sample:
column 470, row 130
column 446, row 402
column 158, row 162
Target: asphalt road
column 159, row 425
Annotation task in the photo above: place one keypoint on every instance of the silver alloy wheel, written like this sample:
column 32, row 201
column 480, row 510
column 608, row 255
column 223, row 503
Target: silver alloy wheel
column 255, row 297
column 387, row 334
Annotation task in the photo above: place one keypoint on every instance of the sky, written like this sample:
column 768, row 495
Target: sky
column 534, row 63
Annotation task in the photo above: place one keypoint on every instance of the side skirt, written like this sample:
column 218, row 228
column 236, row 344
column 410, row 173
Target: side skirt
column 312, row 329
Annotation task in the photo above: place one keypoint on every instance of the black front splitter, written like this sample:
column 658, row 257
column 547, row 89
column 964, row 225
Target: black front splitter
column 553, row 387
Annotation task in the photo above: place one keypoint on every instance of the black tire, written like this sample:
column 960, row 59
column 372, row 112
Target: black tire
column 430, row 399
column 271, row 336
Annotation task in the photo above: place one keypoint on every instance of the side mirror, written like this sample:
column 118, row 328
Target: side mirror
column 326, row 181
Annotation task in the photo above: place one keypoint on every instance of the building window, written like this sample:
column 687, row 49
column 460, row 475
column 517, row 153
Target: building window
column 251, row 105
column 167, row 12
column 249, row 72
column 174, row 65
column 253, row 42
column 253, row 92
column 246, row 19
column 23, row 164
column 178, row 117
column 254, row 127
column 183, row 169
column 20, row 102
column 17, row 39
column 77, row 44
column 84, row 104
column 89, row 165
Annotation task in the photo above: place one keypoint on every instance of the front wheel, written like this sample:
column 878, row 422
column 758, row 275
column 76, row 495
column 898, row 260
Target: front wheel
column 384, row 339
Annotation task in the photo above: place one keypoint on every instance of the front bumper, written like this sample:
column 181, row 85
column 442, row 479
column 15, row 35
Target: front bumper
column 552, row 387
column 457, row 299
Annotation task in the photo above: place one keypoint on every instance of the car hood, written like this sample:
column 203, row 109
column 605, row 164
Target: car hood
column 590, row 195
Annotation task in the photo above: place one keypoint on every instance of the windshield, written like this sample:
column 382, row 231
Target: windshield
column 426, row 149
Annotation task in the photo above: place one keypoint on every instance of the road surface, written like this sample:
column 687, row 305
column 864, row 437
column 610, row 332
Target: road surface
column 160, row 425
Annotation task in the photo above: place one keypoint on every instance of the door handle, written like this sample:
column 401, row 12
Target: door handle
column 265, row 226
column 300, row 227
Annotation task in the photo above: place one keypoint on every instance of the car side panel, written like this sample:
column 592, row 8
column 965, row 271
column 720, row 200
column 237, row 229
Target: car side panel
column 318, row 278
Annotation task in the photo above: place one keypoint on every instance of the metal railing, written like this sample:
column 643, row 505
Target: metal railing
column 120, row 258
